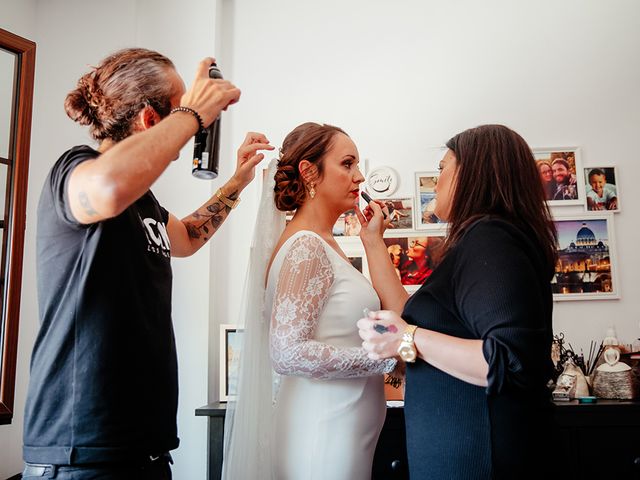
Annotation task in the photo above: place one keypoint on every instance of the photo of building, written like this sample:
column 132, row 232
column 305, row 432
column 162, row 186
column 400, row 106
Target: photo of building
column 584, row 261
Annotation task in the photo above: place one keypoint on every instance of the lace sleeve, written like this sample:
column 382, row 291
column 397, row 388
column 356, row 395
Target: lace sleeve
column 303, row 288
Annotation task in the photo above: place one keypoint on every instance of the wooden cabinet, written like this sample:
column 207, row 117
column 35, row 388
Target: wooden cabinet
column 390, row 460
column 215, row 432
column 600, row 440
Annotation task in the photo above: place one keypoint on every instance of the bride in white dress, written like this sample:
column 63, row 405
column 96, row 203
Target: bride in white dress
column 324, row 419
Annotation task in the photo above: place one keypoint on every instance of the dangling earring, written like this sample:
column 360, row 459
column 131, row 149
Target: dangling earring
column 312, row 190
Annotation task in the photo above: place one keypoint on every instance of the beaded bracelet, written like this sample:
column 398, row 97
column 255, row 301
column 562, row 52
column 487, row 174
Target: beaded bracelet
column 192, row 112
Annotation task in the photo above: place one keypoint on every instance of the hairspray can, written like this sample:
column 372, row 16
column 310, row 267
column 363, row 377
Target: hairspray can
column 206, row 149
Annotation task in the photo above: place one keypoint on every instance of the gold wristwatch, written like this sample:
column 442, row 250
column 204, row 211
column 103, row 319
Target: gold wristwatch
column 226, row 200
column 407, row 347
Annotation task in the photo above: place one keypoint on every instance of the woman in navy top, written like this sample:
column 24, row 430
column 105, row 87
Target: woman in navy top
column 479, row 328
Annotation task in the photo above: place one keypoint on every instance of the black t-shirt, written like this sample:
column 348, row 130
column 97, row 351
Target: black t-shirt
column 103, row 384
column 494, row 285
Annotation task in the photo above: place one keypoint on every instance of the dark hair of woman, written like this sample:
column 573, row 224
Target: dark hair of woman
column 309, row 141
column 105, row 100
column 497, row 175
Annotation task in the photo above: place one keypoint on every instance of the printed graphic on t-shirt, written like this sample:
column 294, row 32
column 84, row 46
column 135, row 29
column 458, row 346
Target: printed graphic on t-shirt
column 157, row 237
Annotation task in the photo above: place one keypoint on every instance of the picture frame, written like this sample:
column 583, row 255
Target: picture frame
column 425, row 200
column 351, row 223
column 606, row 195
column 230, row 351
column 407, row 249
column 354, row 250
column 587, row 266
column 402, row 213
column 559, row 169
column 339, row 227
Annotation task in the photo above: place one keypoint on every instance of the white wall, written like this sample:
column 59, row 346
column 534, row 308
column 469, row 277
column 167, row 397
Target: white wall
column 403, row 77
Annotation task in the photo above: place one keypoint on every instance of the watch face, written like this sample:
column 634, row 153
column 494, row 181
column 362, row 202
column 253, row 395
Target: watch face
column 407, row 353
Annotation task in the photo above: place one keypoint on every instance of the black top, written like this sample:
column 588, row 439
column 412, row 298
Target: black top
column 103, row 382
column 495, row 286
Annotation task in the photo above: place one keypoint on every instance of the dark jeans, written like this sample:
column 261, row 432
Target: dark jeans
column 158, row 469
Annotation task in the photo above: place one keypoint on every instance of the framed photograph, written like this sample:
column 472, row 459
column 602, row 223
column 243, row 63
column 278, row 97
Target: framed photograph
column 425, row 218
column 230, row 348
column 601, row 189
column 338, row 227
column 401, row 213
column 351, row 223
column 414, row 255
column 559, row 169
column 354, row 250
column 347, row 225
column 587, row 267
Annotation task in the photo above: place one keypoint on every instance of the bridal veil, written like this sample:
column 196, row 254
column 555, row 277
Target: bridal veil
column 249, row 418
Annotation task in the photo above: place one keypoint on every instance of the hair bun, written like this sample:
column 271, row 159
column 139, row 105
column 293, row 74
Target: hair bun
column 288, row 191
column 109, row 97
column 78, row 104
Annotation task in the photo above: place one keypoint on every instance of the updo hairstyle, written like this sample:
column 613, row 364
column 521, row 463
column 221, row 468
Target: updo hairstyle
column 309, row 141
column 110, row 96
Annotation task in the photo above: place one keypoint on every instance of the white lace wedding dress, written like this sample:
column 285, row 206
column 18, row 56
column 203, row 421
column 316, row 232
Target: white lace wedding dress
column 330, row 405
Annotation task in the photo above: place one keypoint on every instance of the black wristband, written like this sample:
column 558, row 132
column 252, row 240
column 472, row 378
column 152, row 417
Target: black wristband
column 192, row 112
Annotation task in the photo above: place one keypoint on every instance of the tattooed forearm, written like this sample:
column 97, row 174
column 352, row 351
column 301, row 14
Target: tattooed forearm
column 83, row 198
column 216, row 221
column 217, row 207
column 193, row 231
column 395, row 382
column 204, row 222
